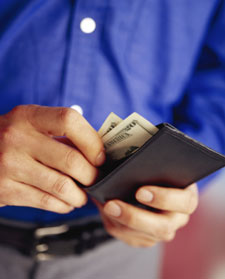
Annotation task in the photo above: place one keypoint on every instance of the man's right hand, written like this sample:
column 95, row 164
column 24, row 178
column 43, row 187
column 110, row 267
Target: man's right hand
column 36, row 170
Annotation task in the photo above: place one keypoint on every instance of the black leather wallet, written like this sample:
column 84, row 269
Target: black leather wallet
column 169, row 158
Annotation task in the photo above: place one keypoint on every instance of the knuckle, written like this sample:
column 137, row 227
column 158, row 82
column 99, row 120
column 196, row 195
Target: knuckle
column 45, row 201
column 48, row 202
column 18, row 109
column 60, row 186
column 11, row 136
column 170, row 237
column 192, row 202
column 7, row 134
column 68, row 116
column 76, row 165
column 70, row 159
column 96, row 143
column 130, row 220
column 165, row 231
column 161, row 196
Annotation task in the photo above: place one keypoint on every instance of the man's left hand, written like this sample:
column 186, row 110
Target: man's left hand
column 142, row 228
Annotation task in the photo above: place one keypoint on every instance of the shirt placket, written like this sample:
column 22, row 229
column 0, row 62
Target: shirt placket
column 80, row 75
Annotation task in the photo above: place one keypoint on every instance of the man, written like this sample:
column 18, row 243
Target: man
column 163, row 59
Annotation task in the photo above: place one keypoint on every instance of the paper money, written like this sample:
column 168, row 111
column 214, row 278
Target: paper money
column 110, row 123
column 128, row 136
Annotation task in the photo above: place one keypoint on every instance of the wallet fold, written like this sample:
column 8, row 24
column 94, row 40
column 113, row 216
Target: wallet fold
column 169, row 158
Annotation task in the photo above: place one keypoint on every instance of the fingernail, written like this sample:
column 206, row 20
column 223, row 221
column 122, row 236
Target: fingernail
column 113, row 209
column 100, row 158
column 144, row 195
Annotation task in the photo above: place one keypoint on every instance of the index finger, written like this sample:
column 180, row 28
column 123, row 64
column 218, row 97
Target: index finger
column 61, row 121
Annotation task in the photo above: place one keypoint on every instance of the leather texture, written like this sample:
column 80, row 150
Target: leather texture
column 170, row 158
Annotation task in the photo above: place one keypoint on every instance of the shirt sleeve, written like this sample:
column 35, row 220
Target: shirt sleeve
column 201, row 113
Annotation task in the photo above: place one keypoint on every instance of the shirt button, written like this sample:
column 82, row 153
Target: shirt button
column 78, row 109
column 87, row 25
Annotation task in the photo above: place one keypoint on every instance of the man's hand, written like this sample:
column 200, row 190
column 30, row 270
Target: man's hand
column 141, row 228
column 35, row 168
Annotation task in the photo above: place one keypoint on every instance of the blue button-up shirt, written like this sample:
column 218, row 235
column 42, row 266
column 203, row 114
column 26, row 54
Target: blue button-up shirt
column 164, row 59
